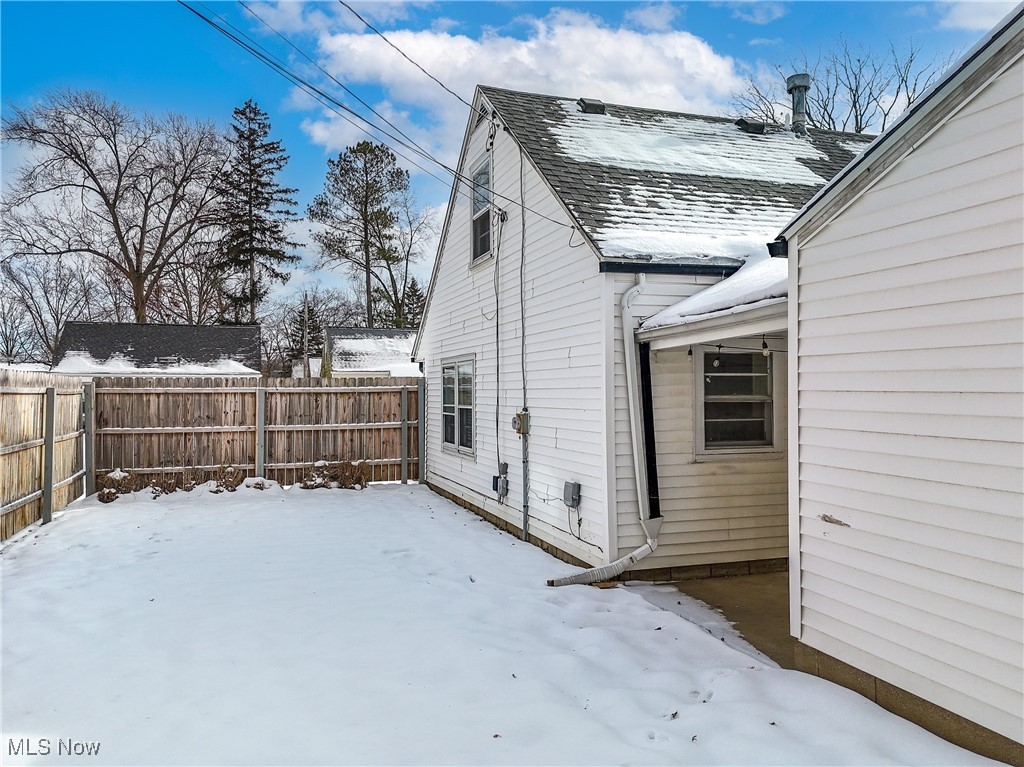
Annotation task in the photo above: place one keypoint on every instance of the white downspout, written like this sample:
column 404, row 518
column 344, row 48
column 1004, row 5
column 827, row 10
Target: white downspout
column 651, row 527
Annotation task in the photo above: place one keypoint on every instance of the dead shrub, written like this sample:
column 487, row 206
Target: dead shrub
column 227, row 478
column 118, row 482
column 351, row 475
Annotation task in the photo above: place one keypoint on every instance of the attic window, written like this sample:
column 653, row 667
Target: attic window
column 591, row 106
column 481, row 113
column 481, row 226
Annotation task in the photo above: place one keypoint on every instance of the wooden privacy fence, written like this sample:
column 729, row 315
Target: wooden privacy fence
column 275, row 428
column 41, row 446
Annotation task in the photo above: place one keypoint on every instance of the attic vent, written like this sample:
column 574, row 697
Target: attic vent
column 750, row 126
column 591, row 106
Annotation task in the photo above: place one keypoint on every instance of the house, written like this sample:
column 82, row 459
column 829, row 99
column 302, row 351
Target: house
column 571, row 221
column 906, row 397
column 130, row 349
column 366, row 352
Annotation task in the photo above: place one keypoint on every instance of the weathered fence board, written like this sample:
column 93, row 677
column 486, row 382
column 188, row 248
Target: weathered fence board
column 27, row 458
column 277, row 427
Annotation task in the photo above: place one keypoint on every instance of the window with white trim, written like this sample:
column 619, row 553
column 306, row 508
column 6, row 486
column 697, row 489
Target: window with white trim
column 735, row 401
column 457, row 404
column 481, row 211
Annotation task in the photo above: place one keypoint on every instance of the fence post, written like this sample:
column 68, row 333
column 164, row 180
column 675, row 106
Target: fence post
column 404, row 400
column 49, row 417
column 261, row 430
column 421, row 417
column 89, row 440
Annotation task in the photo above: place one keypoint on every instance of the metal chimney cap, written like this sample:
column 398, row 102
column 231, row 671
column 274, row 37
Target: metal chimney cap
column 591, row 106
column 797, row 81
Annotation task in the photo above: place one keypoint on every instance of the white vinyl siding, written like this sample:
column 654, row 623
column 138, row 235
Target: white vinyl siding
column 565, row 365
column 713, row 512
column 910, row 317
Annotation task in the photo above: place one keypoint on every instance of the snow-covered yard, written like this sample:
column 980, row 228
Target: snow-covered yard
column 386, row 626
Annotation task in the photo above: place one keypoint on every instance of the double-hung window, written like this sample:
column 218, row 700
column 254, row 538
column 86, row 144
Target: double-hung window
column 457, row 404
column 482, row 211
column 735, row 399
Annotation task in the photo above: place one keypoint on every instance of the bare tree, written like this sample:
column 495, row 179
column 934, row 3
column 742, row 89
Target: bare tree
column 852, row 89
column 130, row 192
column 15, row 328
column 193, row 291
column 51, row 292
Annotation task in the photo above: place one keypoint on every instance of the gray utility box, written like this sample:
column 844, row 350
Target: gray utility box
column 571, row 495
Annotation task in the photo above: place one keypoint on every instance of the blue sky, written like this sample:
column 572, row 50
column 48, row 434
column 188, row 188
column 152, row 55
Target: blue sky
column 159, row 57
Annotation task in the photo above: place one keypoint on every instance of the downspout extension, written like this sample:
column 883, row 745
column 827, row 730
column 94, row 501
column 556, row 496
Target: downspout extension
column 651, row 527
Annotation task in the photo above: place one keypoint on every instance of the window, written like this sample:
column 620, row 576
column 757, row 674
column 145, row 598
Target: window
column 735, row 401
column 457, row 404
column 482, row 211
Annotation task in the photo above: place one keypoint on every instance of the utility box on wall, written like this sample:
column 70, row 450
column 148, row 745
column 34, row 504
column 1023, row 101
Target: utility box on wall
column 571, row 494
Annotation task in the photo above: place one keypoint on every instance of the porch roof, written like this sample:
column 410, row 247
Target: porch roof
column 751, row 301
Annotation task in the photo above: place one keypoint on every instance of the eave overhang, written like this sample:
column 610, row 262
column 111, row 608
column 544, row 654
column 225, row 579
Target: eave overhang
column 769, row 316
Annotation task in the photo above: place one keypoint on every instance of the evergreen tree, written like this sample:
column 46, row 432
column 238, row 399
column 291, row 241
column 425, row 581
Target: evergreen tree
column 358, row 209
column 404, row 312
column 415, row 303
column 254, row 210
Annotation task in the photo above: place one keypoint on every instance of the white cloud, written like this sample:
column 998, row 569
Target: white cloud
column 765, row 41
column 565, row 53
column 653, row 16
column 757, row 11
column 973, row 16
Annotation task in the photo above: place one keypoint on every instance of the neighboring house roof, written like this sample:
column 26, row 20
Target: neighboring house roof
column 372, row 350
column 653, row 185
column 124, row 348
column 999, row 48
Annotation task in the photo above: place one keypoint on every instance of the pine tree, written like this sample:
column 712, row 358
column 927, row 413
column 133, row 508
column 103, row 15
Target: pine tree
column 415, row 303
column 254, row 210
column 358, row 210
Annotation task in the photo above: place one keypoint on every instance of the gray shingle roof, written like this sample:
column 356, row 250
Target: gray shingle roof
column 160, row 347
column 679, row 188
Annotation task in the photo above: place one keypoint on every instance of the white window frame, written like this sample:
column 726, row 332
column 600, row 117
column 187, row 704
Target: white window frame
column 772, row 400
column 475, row 215
column 457, row 365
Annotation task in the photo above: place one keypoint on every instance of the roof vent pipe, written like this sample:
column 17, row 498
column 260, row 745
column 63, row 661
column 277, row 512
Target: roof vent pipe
column 797, row 86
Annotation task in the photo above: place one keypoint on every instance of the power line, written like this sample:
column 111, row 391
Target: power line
column 323, row 98
column 337, row 82
column 403, row 53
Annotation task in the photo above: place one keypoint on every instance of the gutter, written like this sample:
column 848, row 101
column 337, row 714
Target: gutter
column 651, row 527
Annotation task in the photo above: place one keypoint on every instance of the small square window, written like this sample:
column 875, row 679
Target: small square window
column 735, row 400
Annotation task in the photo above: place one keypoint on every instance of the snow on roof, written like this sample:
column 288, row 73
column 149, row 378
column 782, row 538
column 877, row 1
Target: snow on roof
column 84, row 364
column 653, row 185
column 375, row 350
column 701, row 147
column 756, row 283
column 151, row 348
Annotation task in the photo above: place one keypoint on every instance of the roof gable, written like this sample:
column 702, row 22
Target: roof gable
column 653, row 185
column 123, row 348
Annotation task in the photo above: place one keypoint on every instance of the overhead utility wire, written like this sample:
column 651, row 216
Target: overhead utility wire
column 403, row 53
column 337, row 82
column 321, row 96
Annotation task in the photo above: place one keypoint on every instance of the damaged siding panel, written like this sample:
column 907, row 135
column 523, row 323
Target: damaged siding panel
column 911, row 325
